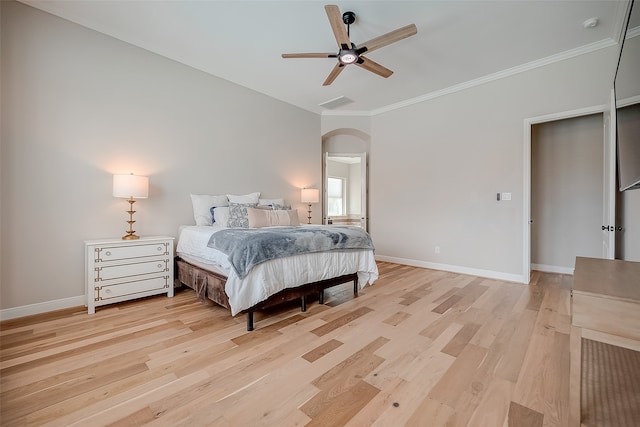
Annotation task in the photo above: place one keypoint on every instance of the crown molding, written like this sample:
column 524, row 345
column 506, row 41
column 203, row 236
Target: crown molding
column 592, row 47
column 602, row 44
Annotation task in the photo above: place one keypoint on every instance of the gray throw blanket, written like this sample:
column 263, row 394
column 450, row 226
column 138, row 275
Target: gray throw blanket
column 249, row 247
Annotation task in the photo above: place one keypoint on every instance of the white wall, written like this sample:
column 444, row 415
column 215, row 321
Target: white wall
column 332, row 122
column 79, row 106
column 436, row 166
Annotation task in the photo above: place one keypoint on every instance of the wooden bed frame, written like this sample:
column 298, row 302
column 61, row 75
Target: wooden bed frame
column 209, row 284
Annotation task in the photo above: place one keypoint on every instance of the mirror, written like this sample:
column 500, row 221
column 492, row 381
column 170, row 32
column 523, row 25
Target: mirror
column 345, row 189
column 627, row 82
column 627, row 94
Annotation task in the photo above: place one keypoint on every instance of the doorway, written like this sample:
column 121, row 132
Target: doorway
column 567, row 192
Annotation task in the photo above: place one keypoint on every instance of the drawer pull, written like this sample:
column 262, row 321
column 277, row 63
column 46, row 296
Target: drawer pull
column 108, row 253
column 159, row 265
column 160, row 249
column 107, row 291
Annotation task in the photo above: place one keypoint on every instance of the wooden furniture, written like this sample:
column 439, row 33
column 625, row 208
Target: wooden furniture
column 119, row 270
column 211, row 285
column 605, row 308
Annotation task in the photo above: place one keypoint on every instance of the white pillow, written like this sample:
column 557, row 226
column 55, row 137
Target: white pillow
column 247, row 198
column 271, row 202
column 221, row 215
column 202, row 204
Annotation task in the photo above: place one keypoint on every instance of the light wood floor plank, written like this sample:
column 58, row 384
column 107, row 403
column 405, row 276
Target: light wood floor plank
column 529, row 390
column 420, row 348
column 494, row 407
column 509, row 366
column 521, row 416
column 458, row 377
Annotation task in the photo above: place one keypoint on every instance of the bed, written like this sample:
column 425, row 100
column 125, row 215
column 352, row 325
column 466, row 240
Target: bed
column 214, row 276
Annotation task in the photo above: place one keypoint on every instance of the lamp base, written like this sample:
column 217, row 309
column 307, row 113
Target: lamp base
column 130, row 232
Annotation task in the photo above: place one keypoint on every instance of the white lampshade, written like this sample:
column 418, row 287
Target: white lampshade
column 310, row 195
column 131, row 186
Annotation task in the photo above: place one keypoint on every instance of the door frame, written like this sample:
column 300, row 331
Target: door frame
column 608, row 145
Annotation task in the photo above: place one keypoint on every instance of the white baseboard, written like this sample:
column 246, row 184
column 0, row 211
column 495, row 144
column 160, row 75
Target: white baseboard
column 456, row 269
column 41, row 307
column 552, row 269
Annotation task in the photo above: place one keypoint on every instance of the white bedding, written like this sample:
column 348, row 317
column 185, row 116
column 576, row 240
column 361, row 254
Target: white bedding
column 273, row 276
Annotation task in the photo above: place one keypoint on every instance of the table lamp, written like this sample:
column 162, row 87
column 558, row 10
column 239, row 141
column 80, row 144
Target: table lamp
column 310, row 195
column 130, row 187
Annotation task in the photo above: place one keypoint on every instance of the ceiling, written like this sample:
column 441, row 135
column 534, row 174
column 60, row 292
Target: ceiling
column 458, row 42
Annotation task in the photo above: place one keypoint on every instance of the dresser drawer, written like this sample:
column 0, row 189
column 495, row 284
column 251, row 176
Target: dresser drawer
column 120, row 252
column 109, row 272
column 131, row 289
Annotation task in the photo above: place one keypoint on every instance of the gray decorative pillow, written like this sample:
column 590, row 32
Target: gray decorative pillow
column 238, row 217
column 277, row 206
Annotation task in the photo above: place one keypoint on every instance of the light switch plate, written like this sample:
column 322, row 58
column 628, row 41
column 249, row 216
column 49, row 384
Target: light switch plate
column 505, row 196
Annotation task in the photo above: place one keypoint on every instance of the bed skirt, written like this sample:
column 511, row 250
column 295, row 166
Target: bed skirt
column 210, row 285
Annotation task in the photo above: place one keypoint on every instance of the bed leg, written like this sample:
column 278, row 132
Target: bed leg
column 355, row 286
column 250, row 321
column 303, row 301
column 321, row 296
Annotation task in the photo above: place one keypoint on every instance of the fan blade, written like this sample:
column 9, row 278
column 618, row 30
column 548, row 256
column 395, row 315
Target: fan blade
column 333, row 74
column 387, row 39
column 374, row 67
column 340, row 33
column 309, row 55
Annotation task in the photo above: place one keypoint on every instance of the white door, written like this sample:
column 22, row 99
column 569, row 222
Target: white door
column 609, row 182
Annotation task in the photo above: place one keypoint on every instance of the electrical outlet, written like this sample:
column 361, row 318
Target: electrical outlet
column 437, row 249
column 505, row 196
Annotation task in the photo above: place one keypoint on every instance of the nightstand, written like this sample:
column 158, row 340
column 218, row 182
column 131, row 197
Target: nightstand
column 120, row 270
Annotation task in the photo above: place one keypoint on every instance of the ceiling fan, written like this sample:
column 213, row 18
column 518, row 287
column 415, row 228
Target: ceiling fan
column 349, row 53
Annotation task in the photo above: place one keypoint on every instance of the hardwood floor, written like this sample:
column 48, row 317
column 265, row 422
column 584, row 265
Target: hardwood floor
column 418, row 348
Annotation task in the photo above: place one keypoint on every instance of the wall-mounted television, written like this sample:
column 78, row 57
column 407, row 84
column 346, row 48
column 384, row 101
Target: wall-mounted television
column 627, row 93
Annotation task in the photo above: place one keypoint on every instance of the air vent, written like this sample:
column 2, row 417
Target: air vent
column 336, row 102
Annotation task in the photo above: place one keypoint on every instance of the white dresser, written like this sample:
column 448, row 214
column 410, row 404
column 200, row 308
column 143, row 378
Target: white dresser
column 119, row 270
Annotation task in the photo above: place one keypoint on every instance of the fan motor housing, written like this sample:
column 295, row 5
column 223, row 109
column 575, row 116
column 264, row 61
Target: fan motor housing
column 348, row 18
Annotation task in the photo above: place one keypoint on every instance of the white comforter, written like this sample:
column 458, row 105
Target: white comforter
column 273, row 276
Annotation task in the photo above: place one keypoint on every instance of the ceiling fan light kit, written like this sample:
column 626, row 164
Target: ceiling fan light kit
column 347, row 57
column 350, row 53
